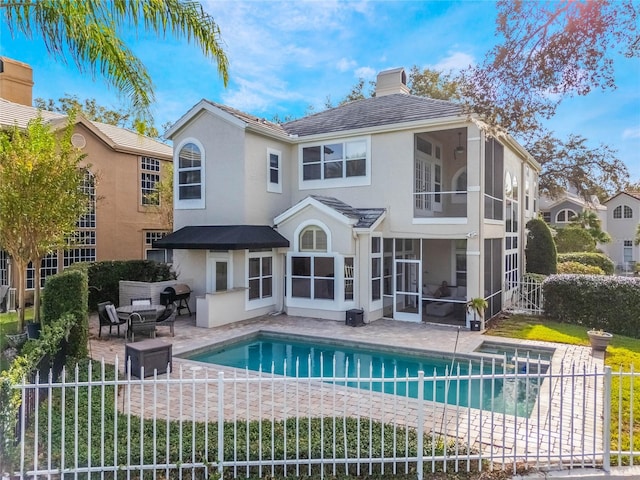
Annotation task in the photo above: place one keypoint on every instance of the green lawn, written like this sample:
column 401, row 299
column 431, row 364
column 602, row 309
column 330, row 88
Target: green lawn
column 8, row 326
column 622, row 353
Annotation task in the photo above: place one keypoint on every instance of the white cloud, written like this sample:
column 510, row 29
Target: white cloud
column 455, row 62
column 345, row 64
column 365, row 72
column 633, row 132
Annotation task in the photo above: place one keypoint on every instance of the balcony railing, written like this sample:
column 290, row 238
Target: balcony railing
column 440, row 204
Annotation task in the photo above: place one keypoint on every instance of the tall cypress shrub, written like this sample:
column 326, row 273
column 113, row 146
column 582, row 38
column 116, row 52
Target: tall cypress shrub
column 541, row 255
column 67, row 293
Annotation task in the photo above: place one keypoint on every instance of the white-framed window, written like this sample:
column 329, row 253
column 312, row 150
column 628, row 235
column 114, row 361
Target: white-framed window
column 75, row 255
column 546, row 216
column 4, row 268
column 622, row 211
column 219, row 272
column 527, row 187
column 511, row 238
column 313, row 276
column 349, row 278
column 336, row 163
column 149, row 179
column 161, row 255
column 189, row 175
column 48, row 267
column 376, row 268
column 312, row 239
column 260, row 276
column 274, row 171
column 82, row 244
column 427, row 176
column 565, row 215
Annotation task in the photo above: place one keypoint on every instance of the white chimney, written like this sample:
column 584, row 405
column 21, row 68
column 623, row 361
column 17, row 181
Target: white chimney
column 391, row 81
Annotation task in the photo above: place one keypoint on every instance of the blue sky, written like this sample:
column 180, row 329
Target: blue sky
column 285, row 56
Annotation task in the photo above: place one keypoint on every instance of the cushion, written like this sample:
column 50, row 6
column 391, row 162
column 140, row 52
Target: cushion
column 112, row 314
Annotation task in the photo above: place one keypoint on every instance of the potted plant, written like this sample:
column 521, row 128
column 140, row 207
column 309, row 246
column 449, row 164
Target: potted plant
column 599, row 339
column 477, row 306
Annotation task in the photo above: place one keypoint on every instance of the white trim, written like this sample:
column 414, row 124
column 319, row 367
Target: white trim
column 335, row 182
column 203, row 105
column 305, row 224
column 274, row 187
column 312, row 202
column 193, row 203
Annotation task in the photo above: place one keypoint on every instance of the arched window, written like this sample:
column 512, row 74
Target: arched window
column 622, row 211
column 190, row 172
column 565, row 216
column 313, row 239
column 508, row 185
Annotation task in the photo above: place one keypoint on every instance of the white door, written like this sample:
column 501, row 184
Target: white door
column 407, row 299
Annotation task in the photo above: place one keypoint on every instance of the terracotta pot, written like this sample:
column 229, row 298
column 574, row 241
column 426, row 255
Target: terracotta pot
column 599, row 340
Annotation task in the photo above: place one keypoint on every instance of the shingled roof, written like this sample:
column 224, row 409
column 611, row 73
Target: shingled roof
column 366, row 216
column 371, row 112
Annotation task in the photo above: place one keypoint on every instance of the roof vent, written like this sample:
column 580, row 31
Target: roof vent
column 391, row 81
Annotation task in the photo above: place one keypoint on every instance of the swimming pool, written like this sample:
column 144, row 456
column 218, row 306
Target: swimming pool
column 303, row 359
column 520, row 352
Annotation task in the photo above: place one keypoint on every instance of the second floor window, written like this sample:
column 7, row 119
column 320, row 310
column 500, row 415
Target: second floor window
column 565, row 216
column 149, row 179
column 338, row 163
column 274, row 171
column 190, row 172
column 622, row 211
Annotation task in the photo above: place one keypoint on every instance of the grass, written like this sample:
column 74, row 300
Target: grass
column 8, row 326
column 622, row 354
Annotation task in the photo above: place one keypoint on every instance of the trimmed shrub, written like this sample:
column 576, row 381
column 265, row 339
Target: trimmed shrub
column 610, row 303
column 541, row 250
column 593, row 259
column 104, row 277
column 579, row 268
column 574, row 239
column 67, row 293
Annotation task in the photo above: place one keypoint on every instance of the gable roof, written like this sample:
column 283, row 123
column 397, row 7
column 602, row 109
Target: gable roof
column 364, row 218
column 632, row 193
column 117, row 138
column 370, row 112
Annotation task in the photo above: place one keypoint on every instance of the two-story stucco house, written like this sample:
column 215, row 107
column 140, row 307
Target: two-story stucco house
column 558, row 212
column 121, row 169
column 623, row 217
column 371, row 205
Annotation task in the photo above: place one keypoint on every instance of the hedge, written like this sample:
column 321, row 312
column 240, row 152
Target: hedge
column 540, row 253
column 579, row 268
column 610, row 303
column 67, row 293
column 589, row 258
column 104, row 277
column 574, row 239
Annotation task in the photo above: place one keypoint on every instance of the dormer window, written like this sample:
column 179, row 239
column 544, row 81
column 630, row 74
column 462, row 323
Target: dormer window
column 622, row 211
column 565, row 216
column 313, row 239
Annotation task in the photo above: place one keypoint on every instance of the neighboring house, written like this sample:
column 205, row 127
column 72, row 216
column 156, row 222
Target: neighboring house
column 370, row 205
column 623, row 217
column 558, row 212
column 121, row 168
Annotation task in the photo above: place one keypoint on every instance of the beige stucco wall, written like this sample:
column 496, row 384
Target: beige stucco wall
column 621, row 229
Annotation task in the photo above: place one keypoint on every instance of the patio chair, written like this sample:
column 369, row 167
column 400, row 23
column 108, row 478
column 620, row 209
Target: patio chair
column 109, row 317
column 168, row 317
column 142, row 321
column 140, row 301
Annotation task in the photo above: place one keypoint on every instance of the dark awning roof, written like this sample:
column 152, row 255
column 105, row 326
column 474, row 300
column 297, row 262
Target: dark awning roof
column 223, row 237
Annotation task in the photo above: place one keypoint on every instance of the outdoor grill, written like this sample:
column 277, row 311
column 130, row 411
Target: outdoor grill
column 178, row 293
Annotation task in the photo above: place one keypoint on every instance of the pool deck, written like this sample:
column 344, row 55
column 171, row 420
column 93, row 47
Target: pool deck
column 542, row 432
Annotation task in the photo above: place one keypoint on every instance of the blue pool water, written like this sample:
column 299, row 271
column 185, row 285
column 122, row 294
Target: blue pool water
column 303, row 360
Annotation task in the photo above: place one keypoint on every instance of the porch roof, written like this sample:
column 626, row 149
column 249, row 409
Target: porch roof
column 223, row 237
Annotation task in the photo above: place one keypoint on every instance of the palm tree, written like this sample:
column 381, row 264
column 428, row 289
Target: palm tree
column 87, row 31
column 588, row 219
column 477, row 305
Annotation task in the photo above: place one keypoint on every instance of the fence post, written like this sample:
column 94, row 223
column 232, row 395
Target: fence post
column 420, row 426
column 220, row 421
column 606, row 428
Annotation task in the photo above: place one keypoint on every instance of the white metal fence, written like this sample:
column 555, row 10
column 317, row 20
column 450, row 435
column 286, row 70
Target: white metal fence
column 200, row 420
column 524, row 296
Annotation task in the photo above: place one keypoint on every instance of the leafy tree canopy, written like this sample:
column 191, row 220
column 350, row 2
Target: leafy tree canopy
column 87, row 32
column 120, row 117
